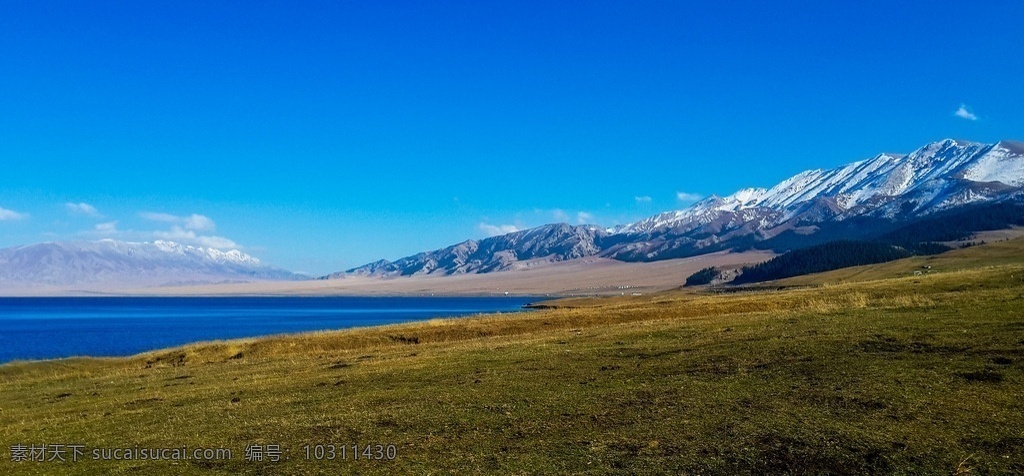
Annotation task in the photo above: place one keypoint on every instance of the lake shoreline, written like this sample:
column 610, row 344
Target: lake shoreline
column 53, row 328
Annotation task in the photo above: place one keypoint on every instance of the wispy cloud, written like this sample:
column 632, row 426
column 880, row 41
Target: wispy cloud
column 194, row 221
column 965, row 113
column 643, row 199
column 688, row 197
column 82, row 208
column 534, row 218
column 546, row 215
column 164, row 217
column 218, row 242
column 10, row 215
column 186, row 229
column 199, row 223
column 497, row 230
column 179, row 234
column 108, row 228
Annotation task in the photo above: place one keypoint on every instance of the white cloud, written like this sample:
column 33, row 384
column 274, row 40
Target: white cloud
column 109, row 230
column 191, row 222
column 109, row 227
column 199, row 223
column 218, row 242
column 187, row 230
column 7, row 215
column 164, row 217
column 688, row 197
column 536, row 217
column 963, row 113
column 190, row 237
column 497, row 230
column 176, row 234
column 643, row 199
column 82, row 208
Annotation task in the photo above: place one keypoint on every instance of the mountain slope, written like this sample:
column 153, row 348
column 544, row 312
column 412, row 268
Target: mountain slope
column 856, row 201
column 118, row 263
column 548, row 243
column 940, row 175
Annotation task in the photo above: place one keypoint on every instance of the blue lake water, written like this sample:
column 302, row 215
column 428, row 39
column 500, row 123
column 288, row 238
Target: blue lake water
column 46, row 328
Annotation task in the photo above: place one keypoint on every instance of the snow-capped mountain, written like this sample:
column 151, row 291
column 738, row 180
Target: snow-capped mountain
column 937, row 176
column 110, row 263
column 879, row 194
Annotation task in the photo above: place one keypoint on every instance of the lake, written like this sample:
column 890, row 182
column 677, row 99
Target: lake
column 47, row 328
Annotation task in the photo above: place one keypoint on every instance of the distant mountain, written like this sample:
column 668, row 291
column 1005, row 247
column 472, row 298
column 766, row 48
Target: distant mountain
column 520, row 249
column 110, row 263
column 861, row 200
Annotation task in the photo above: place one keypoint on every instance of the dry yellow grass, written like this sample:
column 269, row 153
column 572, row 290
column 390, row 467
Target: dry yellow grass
column 905, row 375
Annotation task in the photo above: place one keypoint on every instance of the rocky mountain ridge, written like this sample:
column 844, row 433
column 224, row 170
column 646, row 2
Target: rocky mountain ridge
column 878, row 194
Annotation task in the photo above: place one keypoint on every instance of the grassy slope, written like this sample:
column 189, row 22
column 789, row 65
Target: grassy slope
column 992, row 254
column 908, row 375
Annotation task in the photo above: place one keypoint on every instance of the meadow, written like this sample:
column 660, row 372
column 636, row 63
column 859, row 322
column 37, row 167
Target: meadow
column 909, row 367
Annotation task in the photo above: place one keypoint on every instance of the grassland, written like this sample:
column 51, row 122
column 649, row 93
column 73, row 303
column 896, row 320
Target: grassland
column 880, row 372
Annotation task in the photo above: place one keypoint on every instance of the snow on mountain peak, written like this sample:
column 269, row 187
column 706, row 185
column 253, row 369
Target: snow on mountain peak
column 1011, row 146
column 883, row 190
column 744, row 198
column 931, row 174
column 1003, row 162
column 127, row 264
column 213, row 254
column 166, row 246
column 233, row 256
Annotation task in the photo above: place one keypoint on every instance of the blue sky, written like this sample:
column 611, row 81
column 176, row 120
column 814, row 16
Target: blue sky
column 323, row 135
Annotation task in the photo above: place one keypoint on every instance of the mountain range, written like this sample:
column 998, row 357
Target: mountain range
column 865, row 199
column 117, row 263
column 939, row 192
